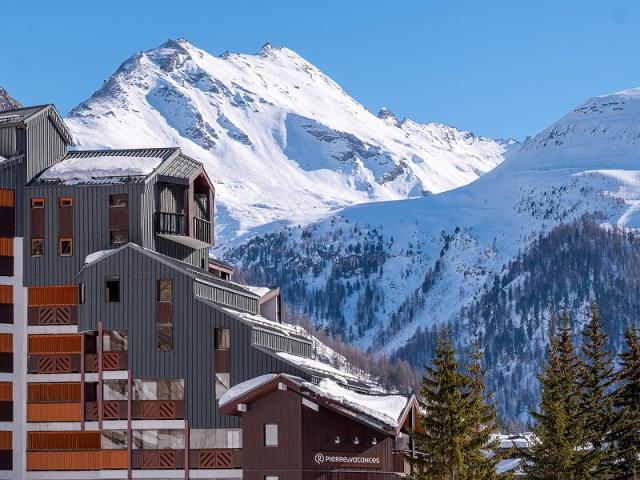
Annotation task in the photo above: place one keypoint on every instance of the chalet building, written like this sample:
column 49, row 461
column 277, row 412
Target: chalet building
column 119, row 333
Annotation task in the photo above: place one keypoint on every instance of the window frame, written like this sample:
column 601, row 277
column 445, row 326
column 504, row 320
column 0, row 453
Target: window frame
column 111, row 279
column 44, row 249
column 38, row 202
column 65, row 239
column 223, row 333
column 119, row 196
column 266, row 435
column 159, row 291
column 65, row 202
column 118, row 232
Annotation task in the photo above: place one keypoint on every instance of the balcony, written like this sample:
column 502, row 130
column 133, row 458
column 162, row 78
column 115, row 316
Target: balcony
column 173, row 226
column 140, row 410
column 51, row 364
column 110, row 361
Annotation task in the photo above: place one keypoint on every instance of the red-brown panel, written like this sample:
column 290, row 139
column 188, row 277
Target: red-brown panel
column 7, row 198
column 70, row 461
column 54, row 412
column 65, row 225
column 6, row 342
column 87, row 440
column 54, row 392
column 119, row 218
column 6, row 440
column 6, row 294
column 222, row 361
column 46, row 344
column 37, row 223
column 6, row 392
column 59, row 295
column 6, row 247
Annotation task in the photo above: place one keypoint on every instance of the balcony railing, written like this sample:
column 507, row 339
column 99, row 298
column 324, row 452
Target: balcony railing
column 171, row 223
column 110, row 361
column 215, row 458
column 202, row 229
column 53, row 363
column 140, row 410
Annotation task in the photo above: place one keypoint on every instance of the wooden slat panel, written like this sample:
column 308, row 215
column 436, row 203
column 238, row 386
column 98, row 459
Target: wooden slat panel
column 6, row 247
column 54, row 392
column 6, row 440
column 87, row 440
column 6, row 392
column 6, row 342
column 37, row 223
column 46, row 344
column 90, row 460
column 7, row 198
column 60, row 295
column 6, row 294
column 65, row 221
column 54, row 412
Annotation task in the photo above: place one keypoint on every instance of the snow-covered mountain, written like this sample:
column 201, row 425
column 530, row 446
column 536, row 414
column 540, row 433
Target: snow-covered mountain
column 7, row 102
column 483, row 258
column 281, row 140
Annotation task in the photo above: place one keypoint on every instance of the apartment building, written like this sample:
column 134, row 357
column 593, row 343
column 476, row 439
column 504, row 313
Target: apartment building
column 119, row 333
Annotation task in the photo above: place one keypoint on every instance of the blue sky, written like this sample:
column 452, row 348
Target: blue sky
column 497, row 68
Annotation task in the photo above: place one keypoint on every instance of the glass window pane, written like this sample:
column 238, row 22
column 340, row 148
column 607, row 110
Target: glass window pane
column 37, row 247
column 119, row 200
column 164, row 290
column 158, row 439
column 115, row 390
column 223, row 339
column 113, row 440
column 271, row 435
column 223, row 383
column 115, row 341
column 164, row 337
column 158, row 390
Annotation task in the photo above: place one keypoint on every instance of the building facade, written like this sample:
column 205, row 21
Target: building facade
column 118, row 332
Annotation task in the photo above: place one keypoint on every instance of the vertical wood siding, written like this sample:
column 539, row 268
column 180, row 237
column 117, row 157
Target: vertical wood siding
column 59, row 295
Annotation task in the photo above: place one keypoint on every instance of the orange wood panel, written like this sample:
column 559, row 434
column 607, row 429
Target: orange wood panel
column 6, row 342
column 6, row 294
column 6, row 392
column 67, row 440
column 63, row 343
column 60, row 295
column 64, row 392
column 54, row 412
column 6, row 440
column 7, row 198
column 91, row 460
column 6, row 247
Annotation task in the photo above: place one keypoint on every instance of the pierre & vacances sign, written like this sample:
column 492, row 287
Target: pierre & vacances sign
column 337, row 459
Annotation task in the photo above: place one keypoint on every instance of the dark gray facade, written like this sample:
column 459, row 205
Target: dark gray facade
column 194, row 320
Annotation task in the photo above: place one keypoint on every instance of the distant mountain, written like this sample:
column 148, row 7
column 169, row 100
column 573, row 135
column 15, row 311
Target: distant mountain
column 7, row 102
column 280, row 139
column 553, row 226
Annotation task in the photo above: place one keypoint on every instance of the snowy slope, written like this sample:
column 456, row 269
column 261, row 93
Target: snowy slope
column 380, row 273
column 6, row 101
column 280, row 139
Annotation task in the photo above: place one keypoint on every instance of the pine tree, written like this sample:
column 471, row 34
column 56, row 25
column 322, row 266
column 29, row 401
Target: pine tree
column 625, row 436
column 558, row 449
column 482, row 424
column 440, row 440
column 596, row 378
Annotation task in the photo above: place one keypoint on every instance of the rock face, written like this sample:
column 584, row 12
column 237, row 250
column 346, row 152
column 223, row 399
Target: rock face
column 552, row 227
column 7, row 102
column 282, row 141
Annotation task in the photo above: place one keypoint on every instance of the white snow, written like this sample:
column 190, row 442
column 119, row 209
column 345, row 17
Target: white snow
column 3, row 159
column 386, row 408
column 244, row 387
column 103, row 167
column 280, row 140
column 95, row 256
column 318, row 366
column 259, row 291
column 508, row 464
column 258, row 320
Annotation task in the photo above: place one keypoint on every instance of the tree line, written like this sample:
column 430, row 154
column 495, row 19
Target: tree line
column 585, row 427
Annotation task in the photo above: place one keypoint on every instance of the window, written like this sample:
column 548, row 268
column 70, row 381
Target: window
column 115, row 341
column 37, row 247
column 158, row 389
column 113, row 289
column 271, row 477
column 118, row 200
column 115, row 389
column 113, row 440
column 65, row 247
column 37, row 203
column 223, row 383
column 223, row 339
column 200, row 439
column 81, row 293
column 158, row 439
column 164, row 338
column 66, row 202
column 118, row 238
column 270, row 435
column 164, row 290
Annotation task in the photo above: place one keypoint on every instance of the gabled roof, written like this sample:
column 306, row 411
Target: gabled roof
column 23, row 116
column 386, row 413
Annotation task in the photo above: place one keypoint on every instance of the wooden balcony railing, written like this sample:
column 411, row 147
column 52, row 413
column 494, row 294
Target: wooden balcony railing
column 202, row 229
column 215, row 458
column 140, row 410
column 157, row 459
column 53, row 363
column 171, row 223
column 78, row 460
column 110, row 361
column 52, row 316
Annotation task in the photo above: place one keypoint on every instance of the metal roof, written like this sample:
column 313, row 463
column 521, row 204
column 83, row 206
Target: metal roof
column 181, row 166
column 22, row 116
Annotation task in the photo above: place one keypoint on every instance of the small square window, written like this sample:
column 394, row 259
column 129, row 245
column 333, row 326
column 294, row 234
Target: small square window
column 164, row 291
column 118, row 200
column 65, row 248
column 37, row 247
column 113, row 289
column 66, row 201
column 37, row 203
column 118, row 237
column 270, row 435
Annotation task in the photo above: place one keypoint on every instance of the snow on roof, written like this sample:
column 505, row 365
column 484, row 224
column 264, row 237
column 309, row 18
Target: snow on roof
column 386, row 408
column 508, row 465
column 259, row 321
column 318, row 367
column 240, row 389
column 95, row 256
column 2, row 159
column 260, row 291
column 522, row 440
column 75, row 170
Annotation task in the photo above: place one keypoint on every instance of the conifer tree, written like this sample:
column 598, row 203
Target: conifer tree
column 595, row 380
column 558, row 448
column 625, row 436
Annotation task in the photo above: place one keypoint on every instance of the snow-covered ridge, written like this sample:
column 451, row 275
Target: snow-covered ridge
column 280, row 139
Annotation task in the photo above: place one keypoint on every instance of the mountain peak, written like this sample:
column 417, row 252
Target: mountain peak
column 388, row 117
column 7, row 102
